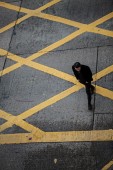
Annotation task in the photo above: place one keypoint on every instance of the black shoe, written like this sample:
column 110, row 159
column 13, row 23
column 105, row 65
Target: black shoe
column 89, row 107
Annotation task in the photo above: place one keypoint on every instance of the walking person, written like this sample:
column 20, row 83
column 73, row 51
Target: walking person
column 84, row 75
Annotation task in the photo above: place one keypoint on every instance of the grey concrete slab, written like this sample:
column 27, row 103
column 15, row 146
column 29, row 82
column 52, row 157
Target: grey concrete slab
column 103, row 104
column 69, row 156
column 5, row 63
column 80, row 10
column 6, row 38
column 105, row 57
column 14, row 129
column 70, row 113
column 106, row 82
column 9, row 63
column 108, row 25
column 63, row 60
column 34, row 4
column 87, row 40
column 39, row 34
column 10, row 1
column 26, row 87
column 8, row 16
column 2, row 59
column 2, row 121
column 103, row 121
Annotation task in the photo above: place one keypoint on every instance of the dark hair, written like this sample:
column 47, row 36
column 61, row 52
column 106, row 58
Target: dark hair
column 77, row 64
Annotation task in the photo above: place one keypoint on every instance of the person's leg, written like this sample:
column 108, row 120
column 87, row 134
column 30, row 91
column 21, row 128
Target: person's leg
column 92, row 89
column 88, row 91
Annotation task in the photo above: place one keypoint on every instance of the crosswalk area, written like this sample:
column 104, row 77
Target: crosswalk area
column 19, row 61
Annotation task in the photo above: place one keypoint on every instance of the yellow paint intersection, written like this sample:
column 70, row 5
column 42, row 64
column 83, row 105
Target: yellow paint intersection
column 35, row 134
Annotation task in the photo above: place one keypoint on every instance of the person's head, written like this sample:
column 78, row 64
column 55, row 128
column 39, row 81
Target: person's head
column 77, row 66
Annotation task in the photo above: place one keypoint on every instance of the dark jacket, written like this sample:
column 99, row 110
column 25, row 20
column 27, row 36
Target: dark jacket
column 85, row 74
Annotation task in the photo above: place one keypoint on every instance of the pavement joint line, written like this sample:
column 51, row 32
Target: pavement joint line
column 84, row 28
column 107, row 166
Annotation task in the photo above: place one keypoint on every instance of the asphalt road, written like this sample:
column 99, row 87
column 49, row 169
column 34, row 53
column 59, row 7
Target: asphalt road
column 45, row 123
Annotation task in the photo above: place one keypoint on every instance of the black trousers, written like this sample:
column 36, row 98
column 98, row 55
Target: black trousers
column 89, row 88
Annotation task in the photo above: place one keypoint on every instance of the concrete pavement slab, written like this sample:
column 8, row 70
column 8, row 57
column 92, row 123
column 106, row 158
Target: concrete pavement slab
column 103, row 121
column 2, row 60
column 10, row 1
column 34, row 4
column 87, row 40
column 2, row 121
column 63, row 60
column 69, row 156
column 108, row 25
column 105, row 55
column 26, row 87
column 80, row 10
column 7, row 16
column 9, row 63
column 35, row 34
column 69, row 114
column 6, row 38
column 14, row 129
column 103, row 104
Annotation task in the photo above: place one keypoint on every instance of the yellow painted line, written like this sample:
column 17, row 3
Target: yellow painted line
column 61, row 20
column 67, row 77
column 14, row 22
column 49, row 102
column 69, row 136
column 29, row 13
column 102, row 19
column 79, row 136
column 52, row 71
column 103, row 73
column 10, row 68
column 56, row 44
column 22, row 61
column 101, row 31
column 49, row 4
column 16, row 138
column 104, row 92
column 106, row 167
column 14, row 7
column 15, row 120
column 5, row 115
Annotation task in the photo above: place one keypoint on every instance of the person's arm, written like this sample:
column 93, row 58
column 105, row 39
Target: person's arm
column 89, row 74
column 75, row 73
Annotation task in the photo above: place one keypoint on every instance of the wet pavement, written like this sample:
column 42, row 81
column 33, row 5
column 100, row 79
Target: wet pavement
column 44, row 119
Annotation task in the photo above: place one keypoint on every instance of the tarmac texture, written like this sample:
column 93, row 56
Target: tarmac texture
column 44, row 120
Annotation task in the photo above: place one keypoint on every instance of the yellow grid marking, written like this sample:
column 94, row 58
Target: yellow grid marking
column 106, row 167
column 35, row 133
column 70, row 136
